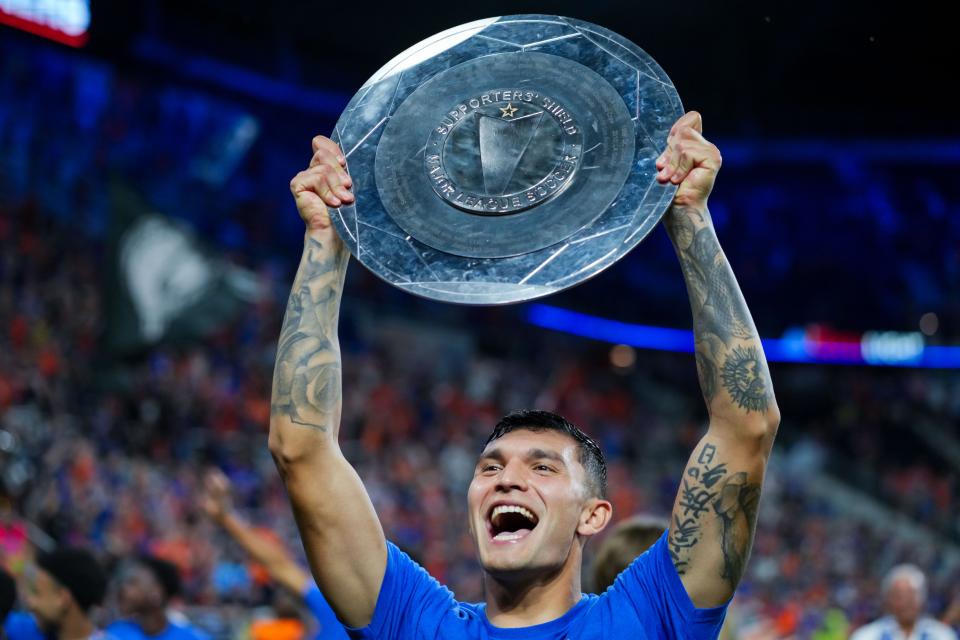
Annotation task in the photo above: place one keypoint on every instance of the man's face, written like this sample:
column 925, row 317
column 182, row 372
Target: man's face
column 46, row 599
column 139, row 591
column 528, row 495
column 904, row 601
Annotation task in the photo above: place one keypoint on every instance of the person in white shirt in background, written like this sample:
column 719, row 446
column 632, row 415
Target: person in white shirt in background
column 905, row 594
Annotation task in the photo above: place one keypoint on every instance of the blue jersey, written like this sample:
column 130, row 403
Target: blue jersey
column 329, row 627
column 647, row 601
column 128, row 630
column 20, row 625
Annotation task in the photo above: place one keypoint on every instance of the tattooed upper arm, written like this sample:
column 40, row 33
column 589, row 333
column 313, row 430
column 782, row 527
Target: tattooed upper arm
column 694, row 500
column 713, row 521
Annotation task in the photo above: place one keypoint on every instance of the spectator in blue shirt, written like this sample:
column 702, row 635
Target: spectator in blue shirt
column 147, row 584
column 538, row 493
column 274, row 558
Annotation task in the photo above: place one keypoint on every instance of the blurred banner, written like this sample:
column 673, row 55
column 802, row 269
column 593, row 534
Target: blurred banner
column 165, row 286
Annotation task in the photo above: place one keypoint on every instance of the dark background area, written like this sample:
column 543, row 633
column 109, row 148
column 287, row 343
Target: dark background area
column 838, row 203
column 846, row 69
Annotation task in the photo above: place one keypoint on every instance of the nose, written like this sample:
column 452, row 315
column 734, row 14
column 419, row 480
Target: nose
column 512, row 477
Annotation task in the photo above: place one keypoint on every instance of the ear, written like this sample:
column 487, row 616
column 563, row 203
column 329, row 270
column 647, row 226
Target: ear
column 595, row 517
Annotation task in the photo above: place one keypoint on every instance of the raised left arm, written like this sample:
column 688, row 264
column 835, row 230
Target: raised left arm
column 715, row 512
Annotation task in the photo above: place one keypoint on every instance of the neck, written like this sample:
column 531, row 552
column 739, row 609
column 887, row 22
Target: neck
column 75, row 626
column 153, row 622
column 533, row 599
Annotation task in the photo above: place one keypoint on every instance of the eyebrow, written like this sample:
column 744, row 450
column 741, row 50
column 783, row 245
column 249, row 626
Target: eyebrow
column 532, row 454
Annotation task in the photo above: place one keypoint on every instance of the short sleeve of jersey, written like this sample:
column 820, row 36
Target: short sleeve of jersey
column 127, row 630
column 21, row 626
column 651, row 587
column 411, row 604
column 124, row 630
column 186, row 632
column 330, row 627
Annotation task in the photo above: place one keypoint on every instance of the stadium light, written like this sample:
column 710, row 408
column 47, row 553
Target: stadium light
column 889, row 349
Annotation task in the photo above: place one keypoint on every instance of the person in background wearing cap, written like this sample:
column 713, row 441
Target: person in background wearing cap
column 274, row 558
column 61, row 589
column 905, row 593
column 147, row 584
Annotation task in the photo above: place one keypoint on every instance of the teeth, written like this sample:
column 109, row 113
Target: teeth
column 509, row 508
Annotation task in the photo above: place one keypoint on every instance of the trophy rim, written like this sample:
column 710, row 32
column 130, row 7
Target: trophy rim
column 640, row 217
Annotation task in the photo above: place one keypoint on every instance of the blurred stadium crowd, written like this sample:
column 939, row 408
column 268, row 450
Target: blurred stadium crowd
column 109, row 453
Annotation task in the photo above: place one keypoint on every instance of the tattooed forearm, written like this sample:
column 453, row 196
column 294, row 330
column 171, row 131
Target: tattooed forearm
column 307, row 378
column 745, row 378
column 728, row 352
column 706, row 372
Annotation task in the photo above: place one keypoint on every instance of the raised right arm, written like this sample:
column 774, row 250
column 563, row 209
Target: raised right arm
column 341, row 534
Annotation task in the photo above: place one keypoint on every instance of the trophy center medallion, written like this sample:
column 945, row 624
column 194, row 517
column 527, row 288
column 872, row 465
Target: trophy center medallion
column 503, row 151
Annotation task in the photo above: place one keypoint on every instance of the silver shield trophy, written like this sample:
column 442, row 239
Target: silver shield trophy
column 505, row 159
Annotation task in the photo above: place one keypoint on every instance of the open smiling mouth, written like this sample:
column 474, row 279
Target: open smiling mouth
column 510, row 523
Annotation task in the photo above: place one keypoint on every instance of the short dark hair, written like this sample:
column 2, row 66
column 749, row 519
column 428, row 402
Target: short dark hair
column 591, row 457
column 78, row 572
column 166, row 574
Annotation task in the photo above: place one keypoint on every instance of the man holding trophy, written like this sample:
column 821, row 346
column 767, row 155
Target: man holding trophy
column 539, row 488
